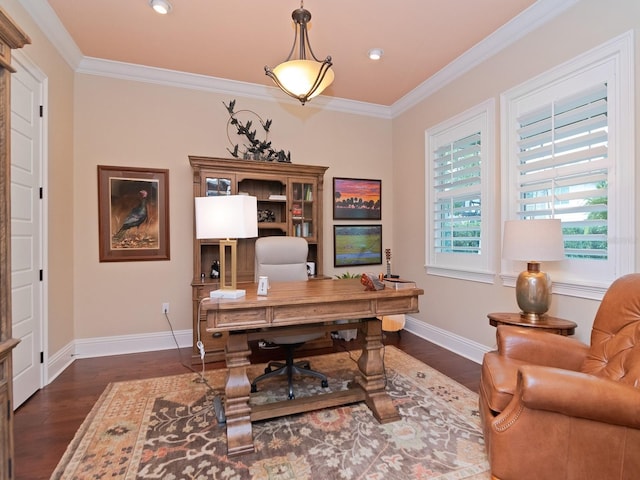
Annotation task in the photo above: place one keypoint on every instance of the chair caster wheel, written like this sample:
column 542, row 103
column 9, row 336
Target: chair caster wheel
column 254, row 389
column 325, row 384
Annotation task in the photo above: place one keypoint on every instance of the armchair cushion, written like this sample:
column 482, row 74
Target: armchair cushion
column 615, row 337
column 580, row 395
column 496, row 380
column 536, row 437
column 542, row 348
column 520, row 346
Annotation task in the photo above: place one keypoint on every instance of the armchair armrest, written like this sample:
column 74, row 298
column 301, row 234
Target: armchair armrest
column 577, row 394
column 541, row 348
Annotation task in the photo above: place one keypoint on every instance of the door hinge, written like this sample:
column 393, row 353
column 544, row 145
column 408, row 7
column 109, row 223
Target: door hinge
column 41, row 275
column 41, row 357
column 41, row 193
column 10, row 467
column 8, row 409
column 41, row 110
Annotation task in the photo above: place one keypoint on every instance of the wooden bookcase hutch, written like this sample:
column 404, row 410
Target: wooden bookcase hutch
column 11, row 37
column 290, row 199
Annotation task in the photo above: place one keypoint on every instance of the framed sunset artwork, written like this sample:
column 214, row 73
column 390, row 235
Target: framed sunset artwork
column 357, row 199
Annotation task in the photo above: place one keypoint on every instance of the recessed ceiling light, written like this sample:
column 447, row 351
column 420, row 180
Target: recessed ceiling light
column 161, row 6
column 375, row 53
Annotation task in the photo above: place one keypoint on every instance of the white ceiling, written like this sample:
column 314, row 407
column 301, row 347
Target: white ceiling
column 234, row 40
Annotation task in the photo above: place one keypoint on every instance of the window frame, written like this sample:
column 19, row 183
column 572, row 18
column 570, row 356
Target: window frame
column 612, row 61
column 482, row 118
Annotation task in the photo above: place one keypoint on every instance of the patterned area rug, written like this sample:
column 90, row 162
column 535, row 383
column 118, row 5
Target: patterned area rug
column 166, row 428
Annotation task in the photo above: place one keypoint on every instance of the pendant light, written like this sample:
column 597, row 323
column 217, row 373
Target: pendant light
column 302, row 78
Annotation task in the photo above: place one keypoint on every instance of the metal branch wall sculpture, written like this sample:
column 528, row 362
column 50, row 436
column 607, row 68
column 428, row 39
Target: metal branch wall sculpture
column 252, row 146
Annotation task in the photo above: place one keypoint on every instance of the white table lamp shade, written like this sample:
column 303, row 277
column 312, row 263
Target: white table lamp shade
column 533, row 240
column 226, row 216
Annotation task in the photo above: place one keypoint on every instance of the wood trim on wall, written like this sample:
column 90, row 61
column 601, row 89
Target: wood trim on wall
column 11, row 37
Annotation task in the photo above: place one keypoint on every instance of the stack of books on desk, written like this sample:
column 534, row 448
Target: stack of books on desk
column 398, row 283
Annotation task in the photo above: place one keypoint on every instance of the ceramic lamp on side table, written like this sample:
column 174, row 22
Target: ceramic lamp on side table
column 533, row 241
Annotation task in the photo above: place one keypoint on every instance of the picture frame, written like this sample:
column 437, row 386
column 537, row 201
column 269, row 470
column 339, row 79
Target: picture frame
column 133, row 214
column 357, row 245
column 357, row 199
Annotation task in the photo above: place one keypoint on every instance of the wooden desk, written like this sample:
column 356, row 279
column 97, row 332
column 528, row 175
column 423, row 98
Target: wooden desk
column 299, row 307
column 546, row 323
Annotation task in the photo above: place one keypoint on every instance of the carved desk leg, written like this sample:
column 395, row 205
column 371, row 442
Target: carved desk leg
column 237, row 392
column 372, row 369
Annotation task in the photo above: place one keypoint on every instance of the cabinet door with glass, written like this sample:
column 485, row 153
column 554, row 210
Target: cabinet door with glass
column 214, row 184
column 303, row 208
column 207, row 251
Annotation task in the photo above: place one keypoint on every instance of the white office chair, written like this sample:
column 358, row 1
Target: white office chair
column 284, row 259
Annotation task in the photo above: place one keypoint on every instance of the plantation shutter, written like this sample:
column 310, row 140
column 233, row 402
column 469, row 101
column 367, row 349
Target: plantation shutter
column 563, row 169
column 457, row 196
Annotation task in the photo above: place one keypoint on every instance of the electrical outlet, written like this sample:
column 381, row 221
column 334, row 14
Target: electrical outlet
column 165, row 307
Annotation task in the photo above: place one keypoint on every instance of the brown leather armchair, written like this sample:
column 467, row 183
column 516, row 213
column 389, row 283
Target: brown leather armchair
column 554, row 408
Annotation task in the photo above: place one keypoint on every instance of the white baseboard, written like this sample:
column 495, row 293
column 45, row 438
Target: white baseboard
column 462, row 346
column 59, row 362
column 123, row 344
column 117, row 345
column 150, row 342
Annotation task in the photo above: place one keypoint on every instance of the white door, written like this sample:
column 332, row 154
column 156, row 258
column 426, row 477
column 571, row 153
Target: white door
column 26, row 230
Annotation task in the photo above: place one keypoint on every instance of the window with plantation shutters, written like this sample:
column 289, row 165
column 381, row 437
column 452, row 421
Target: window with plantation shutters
column 459, row 159
column 568, row 154
column 457, row 218
column 562, row 169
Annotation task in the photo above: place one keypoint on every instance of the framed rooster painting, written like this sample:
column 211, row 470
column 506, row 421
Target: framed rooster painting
column 133, row 214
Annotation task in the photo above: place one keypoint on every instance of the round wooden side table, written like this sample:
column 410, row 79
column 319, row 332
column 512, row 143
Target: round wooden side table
column 546, row 322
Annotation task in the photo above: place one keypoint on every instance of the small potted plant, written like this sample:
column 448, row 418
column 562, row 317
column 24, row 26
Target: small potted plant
column 347, row 275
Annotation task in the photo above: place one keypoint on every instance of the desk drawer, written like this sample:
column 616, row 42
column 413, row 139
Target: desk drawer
column 308, row 313
column 213, row 342
column 391, row 305
column 245, row 317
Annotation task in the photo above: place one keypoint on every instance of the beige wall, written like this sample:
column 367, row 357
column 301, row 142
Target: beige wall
column 96, row 120
column 59, row 184
column 135, row 124
column 458, row 306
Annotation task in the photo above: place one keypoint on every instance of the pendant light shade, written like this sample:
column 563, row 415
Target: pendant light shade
column 302, row 78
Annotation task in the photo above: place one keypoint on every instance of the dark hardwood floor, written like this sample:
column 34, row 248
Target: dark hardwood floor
column 47, row 422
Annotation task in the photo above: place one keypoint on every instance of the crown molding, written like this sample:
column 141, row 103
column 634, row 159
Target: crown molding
column 47, row 20
column 539, row 13
column 173, row 78
column 533, row 17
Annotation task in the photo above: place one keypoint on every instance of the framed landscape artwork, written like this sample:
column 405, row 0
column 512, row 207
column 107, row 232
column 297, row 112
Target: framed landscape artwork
column 133, row 214
column 357, row 245
column 357, row 199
